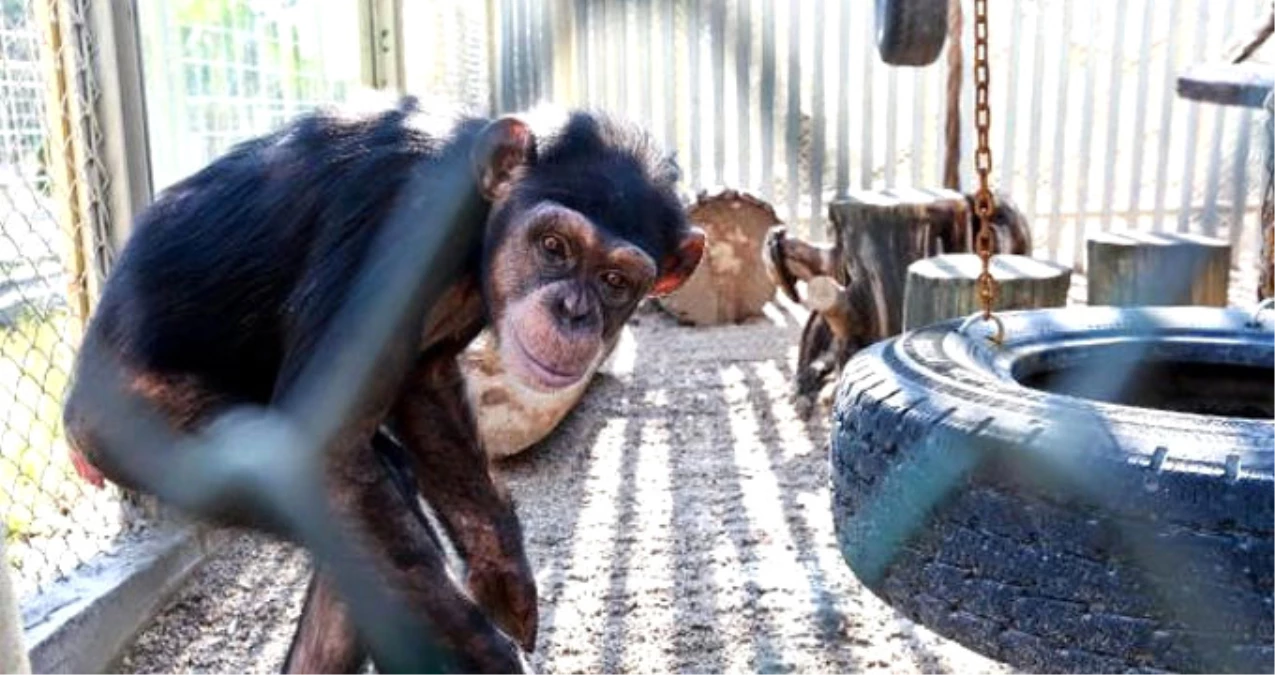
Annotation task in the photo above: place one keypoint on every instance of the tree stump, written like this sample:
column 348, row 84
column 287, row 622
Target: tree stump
column 728, row 286
column 1145, row 268
column 944, row 287
column 877, row 236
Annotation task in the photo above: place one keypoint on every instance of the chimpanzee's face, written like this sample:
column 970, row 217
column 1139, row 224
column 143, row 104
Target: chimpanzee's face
column 565, row 287
column 579, row 233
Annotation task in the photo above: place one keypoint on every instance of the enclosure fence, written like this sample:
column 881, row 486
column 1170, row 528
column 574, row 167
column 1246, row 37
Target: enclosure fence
column 790, row 99
column 51, row 184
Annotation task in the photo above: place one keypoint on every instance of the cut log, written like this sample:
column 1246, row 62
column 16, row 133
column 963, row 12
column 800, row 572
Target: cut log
column 729, row 285
column 1145, row 268
column 945, row 287
column 829, row 298
column 877, row 235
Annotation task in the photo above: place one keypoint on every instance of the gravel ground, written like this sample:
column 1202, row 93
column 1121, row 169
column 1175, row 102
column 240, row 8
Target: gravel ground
column 678, row 520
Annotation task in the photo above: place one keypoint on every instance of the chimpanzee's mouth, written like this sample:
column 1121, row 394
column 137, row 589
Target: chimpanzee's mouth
column 543, row 376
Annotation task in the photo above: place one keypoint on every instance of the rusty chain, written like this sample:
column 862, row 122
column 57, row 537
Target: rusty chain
column 984, row 201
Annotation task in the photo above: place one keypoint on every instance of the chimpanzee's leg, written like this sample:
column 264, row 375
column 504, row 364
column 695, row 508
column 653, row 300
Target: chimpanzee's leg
column 434, row 422
column 406, row 558
column 325, row 641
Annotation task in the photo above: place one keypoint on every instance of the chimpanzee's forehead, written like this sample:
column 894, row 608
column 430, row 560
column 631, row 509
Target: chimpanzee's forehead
column 617, row 196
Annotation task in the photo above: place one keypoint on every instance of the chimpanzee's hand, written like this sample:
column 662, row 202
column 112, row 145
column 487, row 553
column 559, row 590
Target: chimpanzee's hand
column 502, row 583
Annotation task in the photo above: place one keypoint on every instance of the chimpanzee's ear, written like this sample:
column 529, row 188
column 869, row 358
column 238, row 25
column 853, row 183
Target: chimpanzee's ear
column 502, row 146
column 678, row 266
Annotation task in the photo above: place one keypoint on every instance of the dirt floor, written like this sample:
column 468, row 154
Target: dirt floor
column 678, row 520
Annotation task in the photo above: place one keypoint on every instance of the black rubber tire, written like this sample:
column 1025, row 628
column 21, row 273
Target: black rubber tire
column 911, row 32
column 1055, row 533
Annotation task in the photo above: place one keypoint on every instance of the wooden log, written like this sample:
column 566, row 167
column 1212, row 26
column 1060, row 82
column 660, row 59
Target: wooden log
column 1145, row 268
column 829, row 298
column 728, row 286
column 879, row 234
column 945, row 287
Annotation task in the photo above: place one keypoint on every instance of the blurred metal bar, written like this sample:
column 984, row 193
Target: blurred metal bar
column 717, row 42
column 669, row 73
column 1086, row 140
column 1166, row 114
column 920, row 102
column 818, row 134
column 1140, row 117
column 1212, row 185
column 1193, row 121
column 794, row 110
column 547, row 51
column 693, row 32
column 1239, row 180
column 645, row 35
column 767, row 98
column 743, row 91
column 843, row 99
column 618, row 15
column 1034, row 147
column 891, row 124
column 1060, row 130
column 869, row 52
column 1112, row 147
column 1010, row 152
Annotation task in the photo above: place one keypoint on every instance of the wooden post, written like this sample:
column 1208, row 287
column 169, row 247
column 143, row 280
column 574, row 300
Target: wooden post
column 13, row 648
column 943, row 287
column 1143, row 268
column 728, row 286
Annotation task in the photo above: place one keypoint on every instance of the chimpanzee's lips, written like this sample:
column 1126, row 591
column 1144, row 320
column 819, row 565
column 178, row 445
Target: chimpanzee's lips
column 546, row 376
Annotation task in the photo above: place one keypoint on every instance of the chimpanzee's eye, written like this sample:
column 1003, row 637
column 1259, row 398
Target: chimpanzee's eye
column 615, row 282
column 554, row 246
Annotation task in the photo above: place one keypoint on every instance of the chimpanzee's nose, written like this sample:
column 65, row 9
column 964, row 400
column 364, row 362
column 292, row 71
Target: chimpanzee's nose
column 573, row 309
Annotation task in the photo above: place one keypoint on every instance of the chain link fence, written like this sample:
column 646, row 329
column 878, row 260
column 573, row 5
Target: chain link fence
column 52, row 520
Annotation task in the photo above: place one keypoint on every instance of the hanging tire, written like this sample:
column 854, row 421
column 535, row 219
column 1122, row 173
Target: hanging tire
column 911, row 32
column 1026, row 502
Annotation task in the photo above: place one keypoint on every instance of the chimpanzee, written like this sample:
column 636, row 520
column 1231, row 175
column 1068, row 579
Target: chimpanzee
column 216, row 300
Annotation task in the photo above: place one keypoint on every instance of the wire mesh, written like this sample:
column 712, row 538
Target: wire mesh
column 53, row 522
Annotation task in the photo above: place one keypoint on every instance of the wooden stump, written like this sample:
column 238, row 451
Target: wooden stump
column 877, row 236
column 943, row 287
column 729, row 285
column 1144, row 268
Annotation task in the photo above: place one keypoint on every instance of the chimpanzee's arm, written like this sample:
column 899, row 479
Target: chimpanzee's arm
column 433, row 421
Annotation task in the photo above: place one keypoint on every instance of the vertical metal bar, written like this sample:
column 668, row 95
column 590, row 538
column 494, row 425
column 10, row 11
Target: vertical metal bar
column 891, row 124
column 967, row 103
column 508, row 53
column 1140, row 117
column 919, row 116
column 693, row 33
column 743, row 55
column 1060, row 131
column 1193, row 122
column 1239, row 181
column 669, row 74
column 584, row 91
column 1011, row 99
column 1166, row 114
column 866, row 159
column 817, row 231
column 767, row 103
column 1113, row 116
column 1034, row 147
column 619, row 17
column 547, row 41
column 1086, row 141
column 794, row 109
column 717, row 40
column 843, row 98
column 1212, row 187
column 644, row 63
